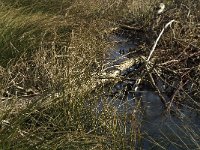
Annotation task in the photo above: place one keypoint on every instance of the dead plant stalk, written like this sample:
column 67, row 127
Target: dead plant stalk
column 150, row 56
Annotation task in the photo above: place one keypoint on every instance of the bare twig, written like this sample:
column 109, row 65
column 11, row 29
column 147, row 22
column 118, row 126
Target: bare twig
column 162, row 98
column 152, row 50
column 156, row 42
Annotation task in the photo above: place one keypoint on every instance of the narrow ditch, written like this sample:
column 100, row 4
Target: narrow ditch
column 161, row 128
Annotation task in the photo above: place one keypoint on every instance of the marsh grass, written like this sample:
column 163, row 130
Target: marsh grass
column 55, row 47
column 53, row 51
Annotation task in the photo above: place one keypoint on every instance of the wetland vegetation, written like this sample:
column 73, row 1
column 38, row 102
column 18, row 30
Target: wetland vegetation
column 51, row 53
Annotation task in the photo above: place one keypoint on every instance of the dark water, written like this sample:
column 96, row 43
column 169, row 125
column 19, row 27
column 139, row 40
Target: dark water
column 161, row 129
